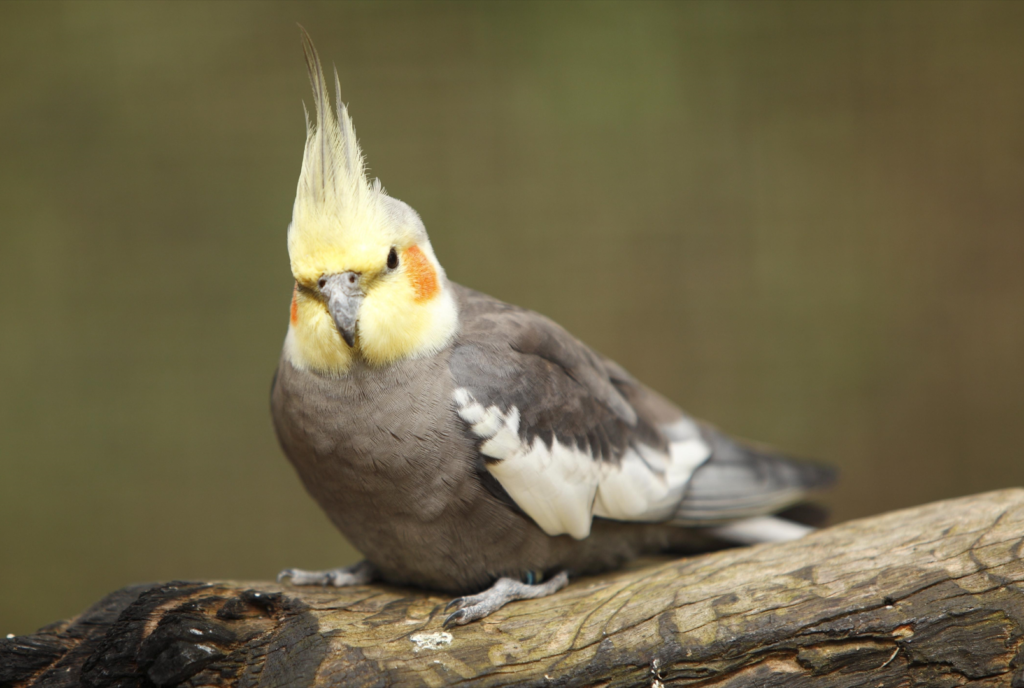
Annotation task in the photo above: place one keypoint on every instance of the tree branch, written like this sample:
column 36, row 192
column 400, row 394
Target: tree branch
column 927, row 596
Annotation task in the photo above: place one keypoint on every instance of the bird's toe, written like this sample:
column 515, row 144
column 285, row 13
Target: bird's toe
column 302, row 577
column 357, row 574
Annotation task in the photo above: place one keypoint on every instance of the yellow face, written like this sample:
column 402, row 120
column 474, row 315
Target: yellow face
column 406, row 308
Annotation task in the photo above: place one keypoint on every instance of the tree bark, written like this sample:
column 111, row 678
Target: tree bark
column 930, row 596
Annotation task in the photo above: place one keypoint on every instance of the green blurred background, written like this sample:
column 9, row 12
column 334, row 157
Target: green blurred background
column 801, row 221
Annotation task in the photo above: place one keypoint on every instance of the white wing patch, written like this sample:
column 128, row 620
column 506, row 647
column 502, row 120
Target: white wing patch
column 562, row 487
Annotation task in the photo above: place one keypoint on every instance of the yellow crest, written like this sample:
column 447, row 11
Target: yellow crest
column 343, row 224
column 340, row 220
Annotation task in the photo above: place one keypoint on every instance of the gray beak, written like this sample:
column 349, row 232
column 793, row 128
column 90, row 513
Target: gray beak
column 344, row 296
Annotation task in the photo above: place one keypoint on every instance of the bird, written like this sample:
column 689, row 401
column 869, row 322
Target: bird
column 470, row 446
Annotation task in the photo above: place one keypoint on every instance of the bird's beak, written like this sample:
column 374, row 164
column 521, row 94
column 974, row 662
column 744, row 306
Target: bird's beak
column 344, row 295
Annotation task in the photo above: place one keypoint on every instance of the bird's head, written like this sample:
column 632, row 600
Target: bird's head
column 367, row 283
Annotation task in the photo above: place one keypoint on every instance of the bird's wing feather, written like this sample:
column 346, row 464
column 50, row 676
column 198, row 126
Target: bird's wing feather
column 568, row 434
column 741, row 481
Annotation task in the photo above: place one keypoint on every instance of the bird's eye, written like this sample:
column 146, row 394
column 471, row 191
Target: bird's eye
column 322, row 283
column 392, row 259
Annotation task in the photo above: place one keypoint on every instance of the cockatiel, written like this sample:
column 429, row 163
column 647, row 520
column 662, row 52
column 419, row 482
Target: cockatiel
column 470, row 446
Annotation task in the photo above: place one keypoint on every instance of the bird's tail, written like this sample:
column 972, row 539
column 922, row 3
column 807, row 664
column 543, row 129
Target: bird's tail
column 739, row 485
column 753, row 531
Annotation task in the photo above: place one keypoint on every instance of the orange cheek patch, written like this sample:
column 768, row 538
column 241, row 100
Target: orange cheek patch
column 421, row 273
column 295, row 304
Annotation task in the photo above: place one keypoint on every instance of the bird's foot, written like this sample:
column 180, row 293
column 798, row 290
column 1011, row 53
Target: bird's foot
column 357, row 574
column 504, row 590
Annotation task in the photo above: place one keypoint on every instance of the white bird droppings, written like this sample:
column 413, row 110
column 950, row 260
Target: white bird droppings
column 431, row 641
column 10, row 635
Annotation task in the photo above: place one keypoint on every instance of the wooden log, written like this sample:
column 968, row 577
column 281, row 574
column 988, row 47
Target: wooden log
column 930, row 596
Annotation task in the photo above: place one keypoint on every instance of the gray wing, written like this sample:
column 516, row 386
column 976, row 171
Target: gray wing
column 571, row 436
column 741, row 481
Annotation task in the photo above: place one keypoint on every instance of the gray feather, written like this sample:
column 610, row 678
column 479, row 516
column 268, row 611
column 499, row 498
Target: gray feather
column 739, row 481
column 511, row 357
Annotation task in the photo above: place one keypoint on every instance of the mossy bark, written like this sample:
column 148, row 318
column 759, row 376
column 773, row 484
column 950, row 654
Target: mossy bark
column 930, row 596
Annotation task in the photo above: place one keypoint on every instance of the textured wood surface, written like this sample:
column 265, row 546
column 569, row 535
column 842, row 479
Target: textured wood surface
column 931, row 596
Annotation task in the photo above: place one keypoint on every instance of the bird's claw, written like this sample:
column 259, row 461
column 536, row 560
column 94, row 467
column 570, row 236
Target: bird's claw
column 357, row 574
column 504, row 590
column 456, row 619
column 457, row 602
column 303, row 577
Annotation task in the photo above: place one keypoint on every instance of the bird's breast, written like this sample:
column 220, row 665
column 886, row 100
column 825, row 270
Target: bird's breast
column 375, row 438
